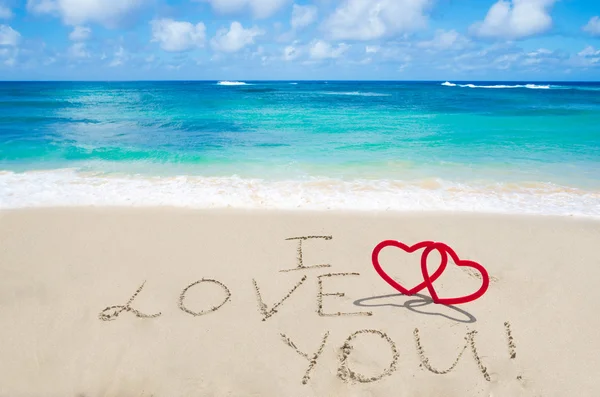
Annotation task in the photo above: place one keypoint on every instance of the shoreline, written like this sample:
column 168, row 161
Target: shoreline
column 70, row 189
column 299, row 212
column 394, row 214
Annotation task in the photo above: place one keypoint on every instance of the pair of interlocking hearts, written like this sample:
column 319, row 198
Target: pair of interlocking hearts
column 428, row 278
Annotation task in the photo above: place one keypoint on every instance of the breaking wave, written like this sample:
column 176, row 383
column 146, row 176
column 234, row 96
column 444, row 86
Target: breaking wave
column 231, row 83
column 499, row 86
column 66, row 187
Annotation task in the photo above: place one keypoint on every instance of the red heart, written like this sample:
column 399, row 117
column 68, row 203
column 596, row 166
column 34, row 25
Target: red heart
column 441, row 247
column 392, row 243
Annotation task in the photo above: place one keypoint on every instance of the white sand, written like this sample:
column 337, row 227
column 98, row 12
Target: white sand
column 59, row 268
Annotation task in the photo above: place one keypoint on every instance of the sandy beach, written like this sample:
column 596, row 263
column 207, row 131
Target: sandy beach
column 175, row 302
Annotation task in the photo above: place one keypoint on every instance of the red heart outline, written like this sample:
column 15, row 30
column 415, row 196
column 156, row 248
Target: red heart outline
column 441, row 247
column 429, row 245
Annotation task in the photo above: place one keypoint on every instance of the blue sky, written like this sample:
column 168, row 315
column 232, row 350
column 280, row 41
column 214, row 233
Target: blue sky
column 302, row 39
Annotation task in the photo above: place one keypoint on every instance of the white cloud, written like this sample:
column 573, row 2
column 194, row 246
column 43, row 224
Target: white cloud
column 593, row 26
column 260, row 50
column 543, row 58
column 302, row 16
column 446, row 40
column 77, row 12
column 119, row 57
column 372, row 19
column 177, row 36
column 507, row 58
column 586, row 58
column 539, row 52
column 5, row 12
column 9, row 36
column 235, row 38
column 320, row 49
column 78, row 51
column 259, row 8
column 80, row 33
column 589, row 51
column 11, row 61
column 515, row 19
column 532, row 61
column 372, row 49
column 9, row 55
column 291, row 52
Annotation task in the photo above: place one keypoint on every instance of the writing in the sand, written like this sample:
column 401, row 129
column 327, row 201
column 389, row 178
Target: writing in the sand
column 113, row 312
column 345, row 372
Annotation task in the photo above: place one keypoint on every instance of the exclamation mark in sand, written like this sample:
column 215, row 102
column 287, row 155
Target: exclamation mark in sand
column 512, row 348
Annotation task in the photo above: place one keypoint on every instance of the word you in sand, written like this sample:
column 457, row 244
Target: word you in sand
column 345, row 372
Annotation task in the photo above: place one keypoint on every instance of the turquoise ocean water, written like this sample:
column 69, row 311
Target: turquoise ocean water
column 492, row 147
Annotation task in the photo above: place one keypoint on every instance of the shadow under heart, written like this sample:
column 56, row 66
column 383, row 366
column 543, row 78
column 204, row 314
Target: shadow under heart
column 414, row 304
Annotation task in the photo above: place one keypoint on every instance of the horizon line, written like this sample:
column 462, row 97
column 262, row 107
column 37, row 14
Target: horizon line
column 292, row 80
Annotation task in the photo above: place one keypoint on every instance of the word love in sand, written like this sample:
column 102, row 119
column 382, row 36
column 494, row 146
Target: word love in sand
column 112, row 312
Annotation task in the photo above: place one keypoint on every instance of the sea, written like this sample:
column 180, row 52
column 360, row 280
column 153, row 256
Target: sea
column 493, row 147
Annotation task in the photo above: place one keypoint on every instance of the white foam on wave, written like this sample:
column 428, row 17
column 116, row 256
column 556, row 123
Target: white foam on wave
column 70, row 188
column 231, row 83
column 537, row 87
column 354, row 93
column 499, row 86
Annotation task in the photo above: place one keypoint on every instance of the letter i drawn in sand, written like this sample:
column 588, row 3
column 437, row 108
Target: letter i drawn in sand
column 300, row 260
